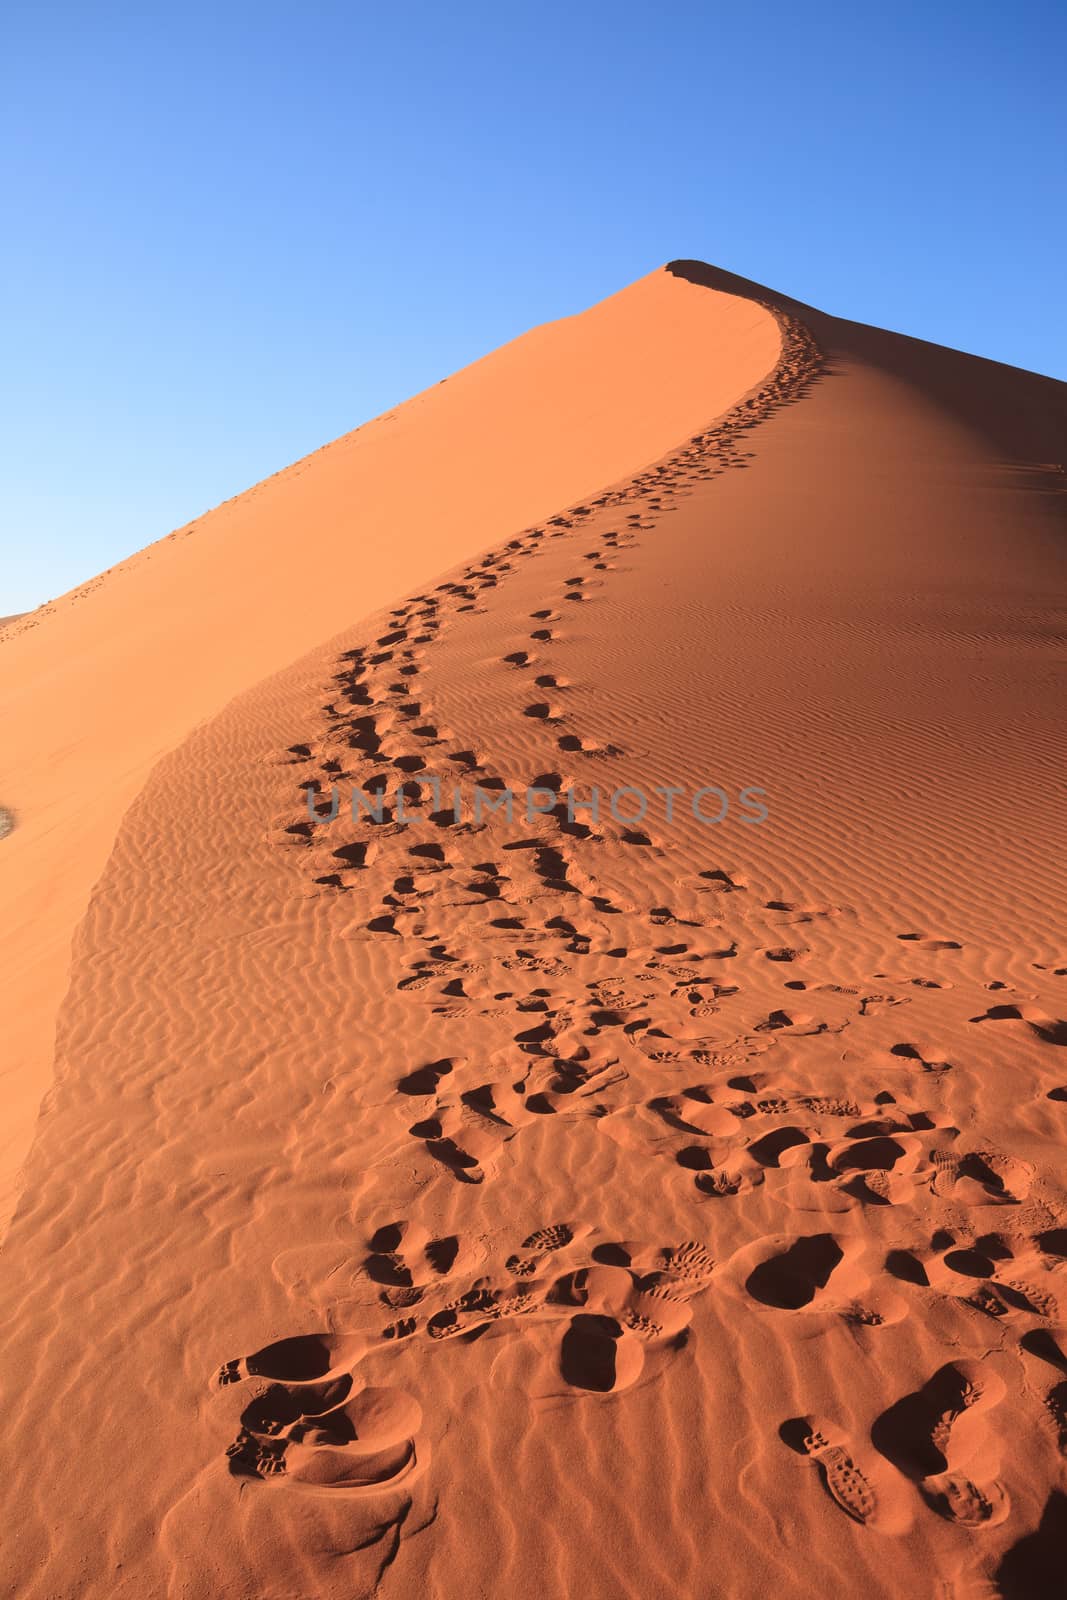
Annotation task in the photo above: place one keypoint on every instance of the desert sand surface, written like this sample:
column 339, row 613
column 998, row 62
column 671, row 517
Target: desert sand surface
column 95, row 687
column 437, row 1203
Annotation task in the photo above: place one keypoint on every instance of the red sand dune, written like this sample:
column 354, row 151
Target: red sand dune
column 608, row 1205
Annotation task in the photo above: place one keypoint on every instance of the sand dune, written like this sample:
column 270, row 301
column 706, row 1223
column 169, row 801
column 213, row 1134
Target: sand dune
column 95, row 687
column 608, row 1202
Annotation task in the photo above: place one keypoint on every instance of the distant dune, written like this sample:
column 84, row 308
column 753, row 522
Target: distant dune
column 655, row 1191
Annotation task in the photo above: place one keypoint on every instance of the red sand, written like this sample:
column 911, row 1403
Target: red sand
column 643, row 1208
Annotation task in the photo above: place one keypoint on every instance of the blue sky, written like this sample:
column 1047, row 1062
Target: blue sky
column 236, row 231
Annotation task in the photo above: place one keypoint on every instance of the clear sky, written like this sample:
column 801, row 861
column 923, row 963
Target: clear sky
column 234, row 231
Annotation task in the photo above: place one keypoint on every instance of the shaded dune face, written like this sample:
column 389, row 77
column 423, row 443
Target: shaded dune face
column 491, row 1205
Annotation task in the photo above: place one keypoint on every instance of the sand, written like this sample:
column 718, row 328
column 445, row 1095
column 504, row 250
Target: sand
column 617, row 1204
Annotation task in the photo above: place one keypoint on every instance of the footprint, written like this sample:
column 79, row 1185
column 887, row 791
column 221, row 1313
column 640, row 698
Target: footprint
column 404, row 1256
column 797, row 1023
column 367, row 1445
column 958, row 1500
column 1056, row 1406
column 844, row 1481
column 425, row 1079
column 980, row 1177
column 929, row 1057
column 598, row 1354
column 794, row 1277
column 472, row 1312
column 541, row 1244
column 1050, row 1030
column 938, row 1429
column 307, row 1358
column 928, row 941
column 876, row 1166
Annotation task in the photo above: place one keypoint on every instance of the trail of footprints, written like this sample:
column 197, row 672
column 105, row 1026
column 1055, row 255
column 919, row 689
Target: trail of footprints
column 380, row 731
column 625, row 1016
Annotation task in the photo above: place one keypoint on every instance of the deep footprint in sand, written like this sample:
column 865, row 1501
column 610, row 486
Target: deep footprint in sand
column 1050, row 1030
column 958, row 1500
column 795, row 1277
column 305, row 1359
column 937, row 1430
column 599, row 1355
column 980, row 1177
column 368, row 1444
column 403, row 1258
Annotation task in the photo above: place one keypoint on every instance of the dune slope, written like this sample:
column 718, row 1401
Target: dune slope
column 623, row 1202
column 96, row 686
